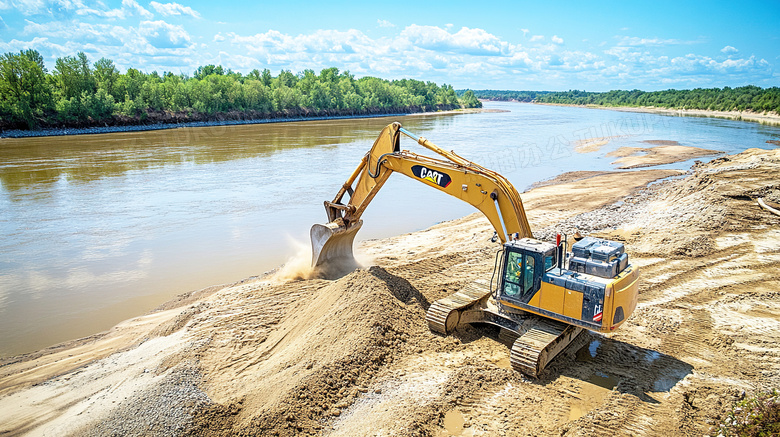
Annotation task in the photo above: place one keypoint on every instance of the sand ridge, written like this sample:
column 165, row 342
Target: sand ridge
column 662, row 152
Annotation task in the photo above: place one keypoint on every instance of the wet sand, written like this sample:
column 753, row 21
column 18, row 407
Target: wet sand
column 354, row 356
column 590, row 145
column 662, row 152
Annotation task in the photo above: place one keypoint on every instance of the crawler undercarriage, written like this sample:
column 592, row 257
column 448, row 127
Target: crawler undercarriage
column 537, row 340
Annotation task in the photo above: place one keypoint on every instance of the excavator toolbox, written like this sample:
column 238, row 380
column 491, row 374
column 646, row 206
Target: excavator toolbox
column 602, row 258
column 598, row 249
column 599, row 268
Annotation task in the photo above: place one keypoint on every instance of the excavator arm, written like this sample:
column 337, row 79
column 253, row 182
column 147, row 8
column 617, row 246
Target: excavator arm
column 485, row 189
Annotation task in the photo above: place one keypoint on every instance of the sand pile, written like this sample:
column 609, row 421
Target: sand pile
column 327, row 341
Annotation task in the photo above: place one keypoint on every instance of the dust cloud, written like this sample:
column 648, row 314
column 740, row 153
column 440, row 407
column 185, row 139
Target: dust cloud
column 298, row 266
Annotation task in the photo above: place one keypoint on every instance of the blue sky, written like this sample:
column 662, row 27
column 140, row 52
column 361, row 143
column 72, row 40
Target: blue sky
column 595, row 46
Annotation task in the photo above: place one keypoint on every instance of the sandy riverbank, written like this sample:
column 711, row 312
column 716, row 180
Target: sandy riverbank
column 354, row 356
column 764, row 118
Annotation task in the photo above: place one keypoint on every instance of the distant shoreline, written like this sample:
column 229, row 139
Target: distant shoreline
column 772, row 119
column 52, row 132
column 56, row 132
column 93, row 130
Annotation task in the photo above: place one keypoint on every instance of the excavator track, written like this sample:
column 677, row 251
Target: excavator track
column 535, row 340
column 535, row 348
column 443, row 315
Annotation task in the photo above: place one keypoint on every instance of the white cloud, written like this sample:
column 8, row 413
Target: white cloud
column 557, row 40
column 321, row 41
column 424, row 52
column 111, row 13
column 130, row 8
column 48, row 48
column 729, row 50
column 638, row 66
column 2, row 24
column 169, row 9
column 72, row 30
column 466, row 40
column 525, row 31
column 650, row 42
column 218, row 37
column 133, row 6
column 4, row 5
column 537, row 38
column 384, row 23
column 47, row 7
column 147, row 37
column 519, row 60
column 163, row 35
column 697, row 64
column 150, row 45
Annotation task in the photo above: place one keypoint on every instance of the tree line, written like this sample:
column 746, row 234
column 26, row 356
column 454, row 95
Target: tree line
column 505, row 95
column 746, row 98
column 79, row 93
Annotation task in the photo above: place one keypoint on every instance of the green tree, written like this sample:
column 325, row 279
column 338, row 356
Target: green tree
column 285, row 78
column 128, row 85
column 208, row 70
column 106, row 75
column 469, row 100
column 266, row 77
column 24, row 92
column 79, row 92
column 73, row 76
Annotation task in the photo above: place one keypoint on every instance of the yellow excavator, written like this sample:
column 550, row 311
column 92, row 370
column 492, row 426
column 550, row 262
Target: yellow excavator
column 540, row 295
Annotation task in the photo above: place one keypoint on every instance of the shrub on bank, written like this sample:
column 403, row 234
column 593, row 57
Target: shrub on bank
column 758, row 416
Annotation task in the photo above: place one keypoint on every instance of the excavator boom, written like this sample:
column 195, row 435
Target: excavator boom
column 485, row 189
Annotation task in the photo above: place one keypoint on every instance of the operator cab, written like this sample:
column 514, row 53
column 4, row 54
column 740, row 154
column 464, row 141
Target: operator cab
column 524, row 264
column 597, row 290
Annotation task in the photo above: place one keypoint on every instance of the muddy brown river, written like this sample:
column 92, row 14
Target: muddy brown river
column 99, row 228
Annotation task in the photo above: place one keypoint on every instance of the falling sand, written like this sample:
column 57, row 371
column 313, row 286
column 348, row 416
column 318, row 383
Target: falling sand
column 299, row 265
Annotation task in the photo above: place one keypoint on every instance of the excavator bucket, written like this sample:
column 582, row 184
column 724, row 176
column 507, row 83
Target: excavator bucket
column 331, row 249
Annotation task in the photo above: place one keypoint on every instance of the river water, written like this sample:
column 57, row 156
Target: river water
column 99, row 228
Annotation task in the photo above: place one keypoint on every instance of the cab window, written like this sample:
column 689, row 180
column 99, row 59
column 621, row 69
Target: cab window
column 549, row 261
column 528, row 276
column 519, row 275
column 514, row 270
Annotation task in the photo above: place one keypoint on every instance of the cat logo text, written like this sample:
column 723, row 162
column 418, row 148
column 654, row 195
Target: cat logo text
column 436, row 177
